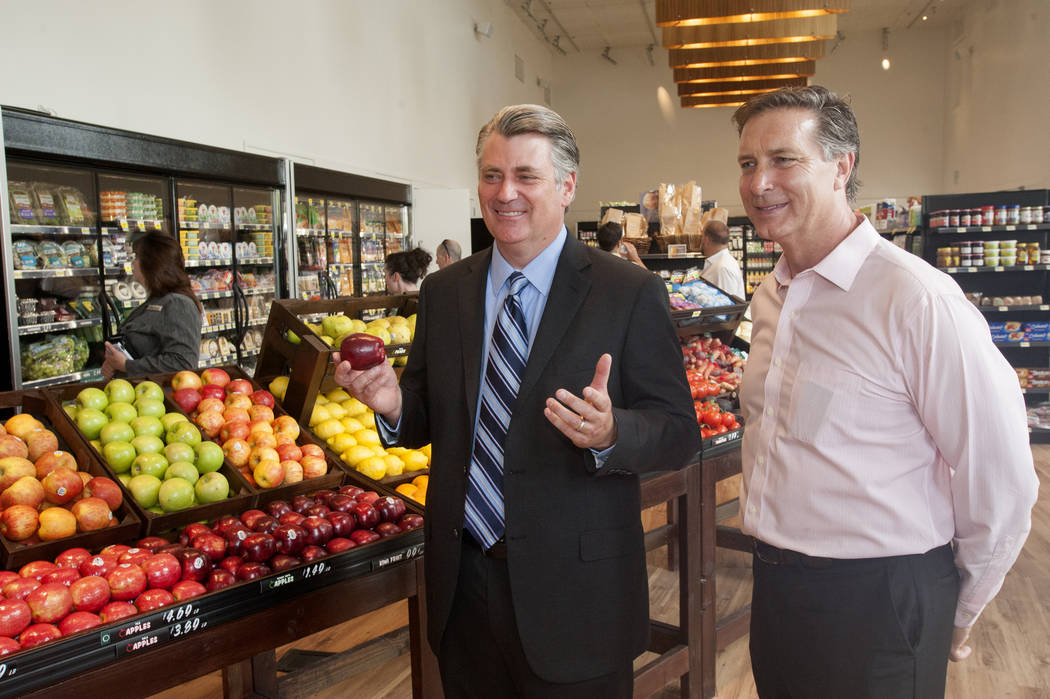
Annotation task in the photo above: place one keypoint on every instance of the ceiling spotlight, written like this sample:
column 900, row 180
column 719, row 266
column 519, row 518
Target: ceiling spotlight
column 925, row 17
column 606, row 56
column 885, row 48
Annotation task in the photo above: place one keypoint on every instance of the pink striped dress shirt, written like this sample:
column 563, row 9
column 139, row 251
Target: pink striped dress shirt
column 881, row 420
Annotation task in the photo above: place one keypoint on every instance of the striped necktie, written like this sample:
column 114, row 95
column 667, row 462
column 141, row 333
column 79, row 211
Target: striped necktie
column 506, row 363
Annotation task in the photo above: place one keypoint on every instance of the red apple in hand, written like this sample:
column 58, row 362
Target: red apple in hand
column 363, row 351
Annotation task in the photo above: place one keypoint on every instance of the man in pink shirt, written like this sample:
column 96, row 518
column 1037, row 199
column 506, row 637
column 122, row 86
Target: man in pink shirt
column 888, row 480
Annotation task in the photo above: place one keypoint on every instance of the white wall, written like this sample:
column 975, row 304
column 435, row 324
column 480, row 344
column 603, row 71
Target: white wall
column 395, row 89
column 629, row 144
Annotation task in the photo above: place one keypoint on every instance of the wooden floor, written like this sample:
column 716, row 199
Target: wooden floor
column 1011, row 641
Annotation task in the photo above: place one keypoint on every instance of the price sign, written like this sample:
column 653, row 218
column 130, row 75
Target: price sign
column 276, row 581
column 187, row 627
column 1011, row 228
column 7, row 670
column 986, row 229
column 398, row 556
column 1028, row 268
column 184, row 611
column 315, row 570
column 141, row 225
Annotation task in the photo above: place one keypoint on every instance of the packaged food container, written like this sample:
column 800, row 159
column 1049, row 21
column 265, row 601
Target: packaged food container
column 1026, row 214
column 1000, row 215
column 991, row 260
column 967, row 259
column 938, row 219
column 965, row 247
column 1022, row 255
column 1008, row 260
column 1005, row 245
column 1044, row 257
column 975, row 217
column 1013, row 215
column 953, row 218
column 991, row 245
column 965, row 218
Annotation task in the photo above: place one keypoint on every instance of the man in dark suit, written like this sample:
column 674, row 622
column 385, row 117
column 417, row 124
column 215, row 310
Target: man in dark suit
column 549, row 598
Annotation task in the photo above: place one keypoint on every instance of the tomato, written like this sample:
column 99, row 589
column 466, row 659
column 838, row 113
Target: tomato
column 728, row 419
column 722, row 429
column 734, row 425
column 705, row 433
column 712, row 419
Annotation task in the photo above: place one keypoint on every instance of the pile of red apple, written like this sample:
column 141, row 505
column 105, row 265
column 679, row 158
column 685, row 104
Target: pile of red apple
column 240, row 418
column 285, row 534
column 43, row 493
column 712, row 367
column 44, row 601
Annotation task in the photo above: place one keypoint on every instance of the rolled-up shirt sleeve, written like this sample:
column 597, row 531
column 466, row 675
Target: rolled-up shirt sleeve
column 970, row 401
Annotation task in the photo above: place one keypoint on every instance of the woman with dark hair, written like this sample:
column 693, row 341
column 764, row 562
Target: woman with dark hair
column 164, row 333
column 405, row 269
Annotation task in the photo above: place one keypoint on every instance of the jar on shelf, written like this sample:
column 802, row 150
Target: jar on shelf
column 953, row 218
column 975, row 217
column 1013, row 214
column 987, row 215
column 1026, row 214
column 1000, row 215
column 939, row 219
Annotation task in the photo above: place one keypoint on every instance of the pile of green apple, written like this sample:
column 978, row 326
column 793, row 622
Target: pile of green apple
column 158, row 455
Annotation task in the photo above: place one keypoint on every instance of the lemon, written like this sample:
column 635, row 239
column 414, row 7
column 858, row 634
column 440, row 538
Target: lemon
column 397, row 451
column 341, row 442
column 368, row 419
column 426, row 450
column 394, row 465
column 380, row 322
column 328, row 428
column 373, row 467
column 337, row 395
column 354, row 407
column 335, row 410
column 367, row 437
column 279, row 386
column 378, row 450
column 415, row 461
column 358, row 325
column 352, row 424
column 321, row 400
column 318, row 415
column 356, row 454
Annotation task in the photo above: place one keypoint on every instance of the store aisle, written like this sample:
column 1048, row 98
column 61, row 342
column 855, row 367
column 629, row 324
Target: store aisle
column 1010, row 641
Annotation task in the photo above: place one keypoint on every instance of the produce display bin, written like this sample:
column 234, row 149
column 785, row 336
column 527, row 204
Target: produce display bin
column 242, row 495
column 307, row 361
column 332, row 479
column 16, row 554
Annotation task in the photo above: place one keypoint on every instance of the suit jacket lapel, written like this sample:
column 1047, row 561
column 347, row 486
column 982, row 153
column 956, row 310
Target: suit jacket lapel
column 472, row 327
column 568, row 289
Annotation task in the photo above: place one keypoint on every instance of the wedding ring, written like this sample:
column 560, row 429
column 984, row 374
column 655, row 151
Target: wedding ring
column 583, row 422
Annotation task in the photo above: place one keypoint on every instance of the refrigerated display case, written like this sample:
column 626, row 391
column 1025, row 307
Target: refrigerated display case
column 75, row 195
column 345, row 226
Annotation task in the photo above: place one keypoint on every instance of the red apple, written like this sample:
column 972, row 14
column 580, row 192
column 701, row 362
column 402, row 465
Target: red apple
column 195, row 565
column 363, row 351
column 220, row 578
column 318, row 530
column 339, row 544
column 264, row 524
column 410, row 521
column 92, row 514
column 90, row 594
column 192, row 531
column 115, row 549
column 154, row 599
column 36, row 569
column 9, row 646
column 367, row 516
column 341, row 503
column 152, row 543
column 213, row 391
column 235, row 536
column 19, row 588
column 62, row 485
column 211, row 545
column 351, row 490
column 187, row 589
column 258, row 547
column 385, row 529
column 368, row 496
column 97, row 565
column 105, row 488
column 390, row 508
column 364, row 536
column 234, row 430
column 64, row 576
column 163, row 570
column 252, row 571
column 289, row 452
column 276, row 508
column 262, row 414
column 248, row 517
column 236, row 415
column 342, row 523
column 223, row 523
column 187, row 399
column 50, row 603
column 19, row 522
column 237, row 452
column 7, row 576
column 27, row 490
column 212, row 404
column 289, row 538
column 322, row 497
column 312, row 450
column 117, row 610
column 79, row 621
column 126, row 582
column 231, row 563
column 135, row 556
column 52, row 460
column 312, row 553
column 283, row 562
column 186, row 379
column 215, row 376
column 240, row 386
column 316, row 510
column 291, row 518
column 210, row 423
column 15, row 616
column 313, row 466
column 37, row 634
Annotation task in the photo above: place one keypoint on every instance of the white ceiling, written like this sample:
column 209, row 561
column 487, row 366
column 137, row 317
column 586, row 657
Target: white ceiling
column 576, row 26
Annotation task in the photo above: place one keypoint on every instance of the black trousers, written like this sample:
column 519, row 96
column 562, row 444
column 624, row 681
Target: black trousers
column 481, row 655
column 877, row 628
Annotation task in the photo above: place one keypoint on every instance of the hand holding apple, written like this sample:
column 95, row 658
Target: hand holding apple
column 376, row 387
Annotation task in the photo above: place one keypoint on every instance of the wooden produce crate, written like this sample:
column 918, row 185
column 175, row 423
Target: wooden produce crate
column 242, row 495
column 332, row 479
column 16, row 554
column 308, row 361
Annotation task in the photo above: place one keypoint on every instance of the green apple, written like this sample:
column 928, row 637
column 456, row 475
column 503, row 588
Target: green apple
column 185, row 432
column 209, row 457
column 116, row 432
column 175, row 494
column 150, row 406
column 91, row 421
column 169, row 420
column 211, row 487
column 149, row 464
column 71, row 410
column 121, row 412
column 119, row 456
column 145, row 489
column 97, row 445
column 149, row 389
column 182, row 469
column 147, row 444
column 157, row 510
column 120, row 390
column 92, row 398
column 124, row 478
column 148, row 425
column 177, row 451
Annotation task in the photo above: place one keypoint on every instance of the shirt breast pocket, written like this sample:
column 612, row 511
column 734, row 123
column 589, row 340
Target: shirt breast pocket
column 824, row 405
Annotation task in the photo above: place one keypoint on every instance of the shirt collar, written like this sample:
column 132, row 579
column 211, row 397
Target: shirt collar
column 841, row 265
column 539, row 271
column 719, row 254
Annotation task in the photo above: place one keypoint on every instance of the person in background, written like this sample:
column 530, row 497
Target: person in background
column 548, row 377
column 720, row 267
column 164, row 333
column 610, row 239
column 447, row 253
column 888, row 481
column 405, row 269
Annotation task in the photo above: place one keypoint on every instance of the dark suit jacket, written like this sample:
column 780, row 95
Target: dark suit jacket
column 575, row 543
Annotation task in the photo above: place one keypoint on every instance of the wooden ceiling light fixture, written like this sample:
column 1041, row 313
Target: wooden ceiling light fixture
column 696, row 13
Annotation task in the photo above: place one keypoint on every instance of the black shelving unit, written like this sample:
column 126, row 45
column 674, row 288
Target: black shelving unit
column 1000, row 283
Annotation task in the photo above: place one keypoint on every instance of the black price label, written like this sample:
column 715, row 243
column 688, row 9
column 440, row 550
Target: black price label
column 187, row 627
column 7, row 670
column 134, row 629
column 276, row 581
column 398, row 556
column 315, row 570
column 179, row 613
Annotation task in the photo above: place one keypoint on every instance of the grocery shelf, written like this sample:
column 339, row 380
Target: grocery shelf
column 55, row 272
column 1035, row 391
column 137, row 224
column 39, row 328
column 219, row 262
column 1013, row 228
column 1022, row 344
column 255, row 261
column 1014, row 309
column 997, row 268
column 77, row 376
column 310, row 232
column 210, row 295
column 665, row 256
column 254, row 227
column 75, row 231
column 194, row 226
column 213, row 329
column 256, row 291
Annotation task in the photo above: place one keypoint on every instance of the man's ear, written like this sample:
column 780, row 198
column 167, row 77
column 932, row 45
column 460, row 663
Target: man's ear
column 844, row 168
column 568, row 189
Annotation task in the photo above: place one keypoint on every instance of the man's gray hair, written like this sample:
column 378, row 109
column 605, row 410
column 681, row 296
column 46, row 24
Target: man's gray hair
column 533, row 118
column 837, row 131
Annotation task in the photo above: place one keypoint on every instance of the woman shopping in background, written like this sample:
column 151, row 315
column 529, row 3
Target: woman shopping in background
column 404, row 270
column 164, row 333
